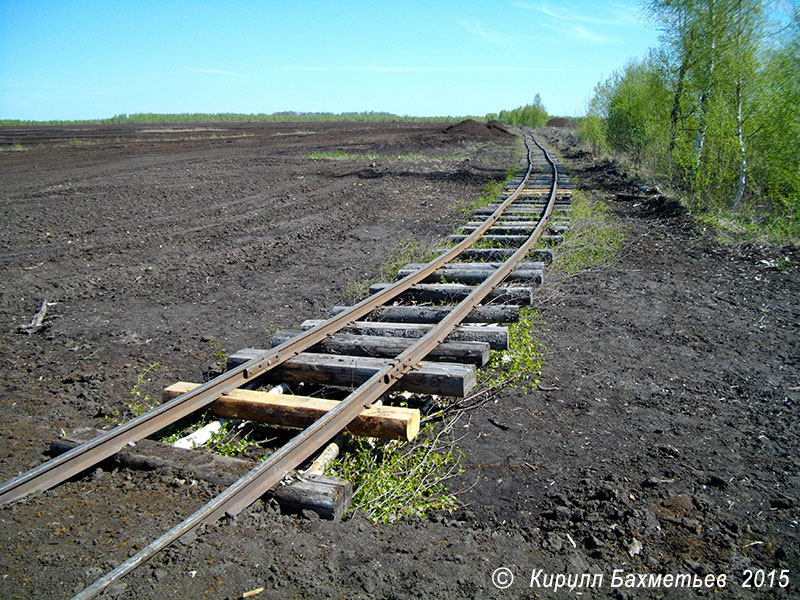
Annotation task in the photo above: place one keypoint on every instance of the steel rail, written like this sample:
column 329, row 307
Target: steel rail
column 80, row 458
column 258, row 481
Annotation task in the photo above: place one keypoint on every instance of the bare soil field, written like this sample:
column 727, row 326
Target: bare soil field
column 663, row 438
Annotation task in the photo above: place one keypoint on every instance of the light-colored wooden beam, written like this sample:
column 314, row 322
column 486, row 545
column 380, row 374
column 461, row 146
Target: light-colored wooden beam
column 389, row 422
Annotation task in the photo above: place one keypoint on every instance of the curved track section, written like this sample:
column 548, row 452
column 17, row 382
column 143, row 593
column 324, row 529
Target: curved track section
column 252, row 486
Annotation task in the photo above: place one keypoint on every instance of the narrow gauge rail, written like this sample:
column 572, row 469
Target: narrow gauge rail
column 253, row 485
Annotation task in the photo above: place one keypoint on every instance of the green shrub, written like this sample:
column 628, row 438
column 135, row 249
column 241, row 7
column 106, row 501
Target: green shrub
column 521, row 364
column 394, row 479
column 530, row 115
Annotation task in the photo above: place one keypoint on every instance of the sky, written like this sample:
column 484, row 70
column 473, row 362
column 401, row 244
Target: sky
column 70, row 59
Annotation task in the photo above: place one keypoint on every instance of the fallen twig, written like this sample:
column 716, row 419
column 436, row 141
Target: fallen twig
column 37, row 323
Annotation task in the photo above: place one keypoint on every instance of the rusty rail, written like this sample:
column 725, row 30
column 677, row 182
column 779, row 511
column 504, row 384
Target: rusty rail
column 82, row 457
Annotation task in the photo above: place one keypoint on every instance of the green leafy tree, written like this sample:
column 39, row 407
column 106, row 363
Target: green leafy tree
column 716, row 108
column 530, row 115
column 775, row 140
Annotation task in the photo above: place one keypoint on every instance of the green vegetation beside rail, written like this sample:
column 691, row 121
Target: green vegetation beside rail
column 713, row 113
column 491, row 191
column 520, row 366
column 593, row 238
column 393, row 479
column 404, row 252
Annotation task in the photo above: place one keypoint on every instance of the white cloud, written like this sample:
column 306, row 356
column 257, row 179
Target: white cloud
column 579, row 32
column 621, row 14
column 421, row 69
column 487, row 35
column 213, row 71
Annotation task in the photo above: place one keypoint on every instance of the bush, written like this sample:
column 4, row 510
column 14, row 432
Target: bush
column 530, row 115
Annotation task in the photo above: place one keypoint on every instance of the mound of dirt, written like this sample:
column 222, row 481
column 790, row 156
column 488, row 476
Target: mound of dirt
column 562, row 122
column 471, row 129
column 497, row 125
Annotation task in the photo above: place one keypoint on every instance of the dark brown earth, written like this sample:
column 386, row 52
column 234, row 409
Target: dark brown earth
column 471, row 129
column 666, row 415
column 562, row 123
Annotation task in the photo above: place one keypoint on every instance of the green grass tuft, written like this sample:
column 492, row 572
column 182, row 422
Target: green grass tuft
column 14, row 148
column 232, row 439
column 593, row 238
column 491, row 193
column 406, row 251
column 745, row 224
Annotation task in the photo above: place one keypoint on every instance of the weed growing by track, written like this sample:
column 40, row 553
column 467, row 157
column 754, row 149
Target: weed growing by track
column 520, row 366
column 404, row 252
column 219, row 355
column 491, row 194
column 235, row 438
column 232, row 440
column 143, row 401
column 593, row 238
column 394, row 479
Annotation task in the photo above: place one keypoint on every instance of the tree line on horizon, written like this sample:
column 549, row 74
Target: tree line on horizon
column 715, row 109
column 531, row 115
column 277, row 117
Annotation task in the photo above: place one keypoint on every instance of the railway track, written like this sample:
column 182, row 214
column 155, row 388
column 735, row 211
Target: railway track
column 495, row 246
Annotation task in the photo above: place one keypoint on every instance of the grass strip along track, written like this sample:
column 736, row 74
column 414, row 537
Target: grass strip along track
column 252, row 486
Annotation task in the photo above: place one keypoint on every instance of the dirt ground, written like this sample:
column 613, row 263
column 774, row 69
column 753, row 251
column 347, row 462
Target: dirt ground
column 662, row 440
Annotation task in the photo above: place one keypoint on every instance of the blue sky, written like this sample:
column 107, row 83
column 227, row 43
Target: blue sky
column 92, row 59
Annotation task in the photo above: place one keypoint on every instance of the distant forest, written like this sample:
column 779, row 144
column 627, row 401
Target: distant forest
column 533, row 115
column 279, row 117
